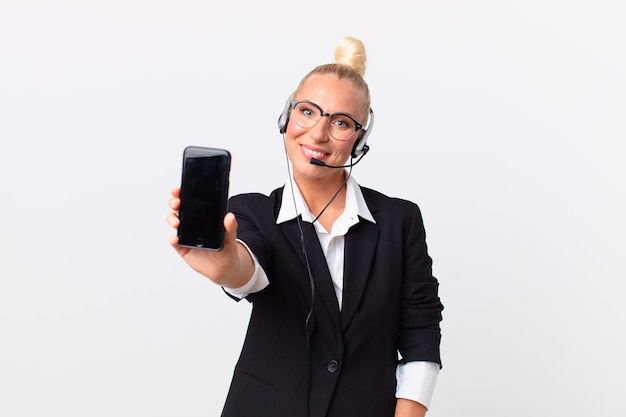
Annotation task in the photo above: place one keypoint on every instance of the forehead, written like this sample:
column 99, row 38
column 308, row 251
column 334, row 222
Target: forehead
column 332, row 94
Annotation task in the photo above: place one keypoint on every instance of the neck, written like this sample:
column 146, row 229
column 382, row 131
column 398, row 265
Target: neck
column 319, row 191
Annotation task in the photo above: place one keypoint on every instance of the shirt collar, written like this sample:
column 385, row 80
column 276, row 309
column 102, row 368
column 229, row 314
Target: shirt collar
column 355, row 203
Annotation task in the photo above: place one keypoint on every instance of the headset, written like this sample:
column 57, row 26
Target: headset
column 360, row 147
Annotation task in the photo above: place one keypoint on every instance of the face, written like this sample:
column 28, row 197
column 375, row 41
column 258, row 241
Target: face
column 333, row 96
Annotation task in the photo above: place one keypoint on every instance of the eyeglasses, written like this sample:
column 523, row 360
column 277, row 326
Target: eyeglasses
column 307, row 114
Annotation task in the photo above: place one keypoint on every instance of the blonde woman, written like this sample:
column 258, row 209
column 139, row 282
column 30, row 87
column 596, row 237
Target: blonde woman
column 346, row 313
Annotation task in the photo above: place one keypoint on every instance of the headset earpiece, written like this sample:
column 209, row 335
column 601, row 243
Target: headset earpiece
column 283, row 119
column 360, row 146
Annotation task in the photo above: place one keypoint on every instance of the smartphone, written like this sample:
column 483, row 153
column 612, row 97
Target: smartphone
column 203, row 197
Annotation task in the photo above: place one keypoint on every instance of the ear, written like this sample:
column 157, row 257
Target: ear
column 360, row 145
column 283, row 119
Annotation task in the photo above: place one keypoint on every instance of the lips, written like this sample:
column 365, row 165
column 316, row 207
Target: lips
column 309, row 152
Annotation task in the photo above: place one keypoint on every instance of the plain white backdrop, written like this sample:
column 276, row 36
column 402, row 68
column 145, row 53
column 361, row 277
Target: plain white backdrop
column 503, row 120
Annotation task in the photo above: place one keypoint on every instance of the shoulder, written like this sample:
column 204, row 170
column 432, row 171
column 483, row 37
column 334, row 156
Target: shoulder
column 377, row 201
column 256, row 202
column 395, row 215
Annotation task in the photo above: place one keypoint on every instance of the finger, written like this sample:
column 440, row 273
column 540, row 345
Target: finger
column 173, row 220
column 174, row 203
column 175, row 192
column 181, row 250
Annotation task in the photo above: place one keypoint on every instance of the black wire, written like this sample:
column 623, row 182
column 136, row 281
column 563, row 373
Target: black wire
column 333, row 198
column 309, row 324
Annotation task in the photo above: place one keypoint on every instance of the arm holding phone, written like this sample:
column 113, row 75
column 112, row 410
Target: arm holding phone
column 230, row 267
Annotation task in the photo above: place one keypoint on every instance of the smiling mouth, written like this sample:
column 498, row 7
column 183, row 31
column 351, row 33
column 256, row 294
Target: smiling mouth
column 313, row 154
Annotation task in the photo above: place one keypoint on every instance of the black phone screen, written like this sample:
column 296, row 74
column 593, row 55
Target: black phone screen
column 203, row 197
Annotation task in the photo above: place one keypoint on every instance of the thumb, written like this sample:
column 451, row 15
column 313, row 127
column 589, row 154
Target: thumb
column 230, row 227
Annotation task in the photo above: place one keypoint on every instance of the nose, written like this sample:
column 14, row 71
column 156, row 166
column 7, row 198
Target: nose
column 320, row 132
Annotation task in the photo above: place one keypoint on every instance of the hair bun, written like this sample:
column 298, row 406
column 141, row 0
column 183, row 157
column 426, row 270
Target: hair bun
column 351, row 52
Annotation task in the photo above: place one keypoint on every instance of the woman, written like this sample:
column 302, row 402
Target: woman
column 338, row 275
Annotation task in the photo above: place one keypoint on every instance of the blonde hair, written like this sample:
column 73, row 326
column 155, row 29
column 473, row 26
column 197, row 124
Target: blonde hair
column 350, row 60
column 351, row 52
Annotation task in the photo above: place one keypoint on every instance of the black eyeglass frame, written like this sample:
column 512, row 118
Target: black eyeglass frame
column 357, row 126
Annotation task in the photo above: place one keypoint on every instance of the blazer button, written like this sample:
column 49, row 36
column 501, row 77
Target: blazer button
column 333, row 366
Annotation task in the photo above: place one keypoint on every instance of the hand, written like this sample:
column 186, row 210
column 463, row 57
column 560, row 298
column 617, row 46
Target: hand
column 408, row 408
column 230, row 267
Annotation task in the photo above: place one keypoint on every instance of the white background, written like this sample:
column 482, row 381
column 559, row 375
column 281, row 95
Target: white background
column 503, row 120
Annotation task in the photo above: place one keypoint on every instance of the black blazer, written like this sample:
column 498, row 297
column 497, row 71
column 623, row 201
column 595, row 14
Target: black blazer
column 390, row 305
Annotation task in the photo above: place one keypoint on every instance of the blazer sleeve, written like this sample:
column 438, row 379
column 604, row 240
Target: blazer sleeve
column 253, row 212
column 421, row 308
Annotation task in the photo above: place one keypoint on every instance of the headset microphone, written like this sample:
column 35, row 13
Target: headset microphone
column 317, row 162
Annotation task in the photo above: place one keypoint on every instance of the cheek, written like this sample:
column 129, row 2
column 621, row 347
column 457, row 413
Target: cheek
column 293, row 130
column 346, row 147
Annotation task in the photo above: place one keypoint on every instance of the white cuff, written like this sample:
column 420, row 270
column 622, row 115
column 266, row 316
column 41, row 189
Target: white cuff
column 416, row 381
column 257, row 281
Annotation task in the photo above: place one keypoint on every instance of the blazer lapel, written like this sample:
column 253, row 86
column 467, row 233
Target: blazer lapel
column 360, row 247
column 317, row 263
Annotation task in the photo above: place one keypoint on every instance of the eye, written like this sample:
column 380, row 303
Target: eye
column 342, row 122
column 307, row 111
